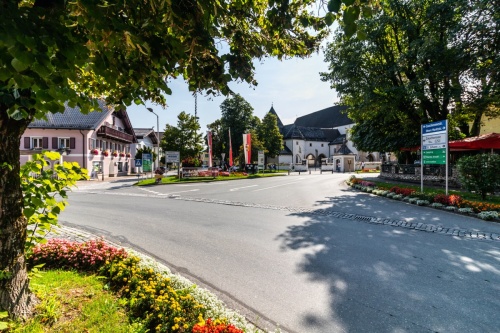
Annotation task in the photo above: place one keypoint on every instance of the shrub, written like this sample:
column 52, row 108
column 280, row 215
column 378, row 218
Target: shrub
column 466, row 210
column 454, row 200
column 64, row 254
column 423, row 202
column 443, row 199
column 488, row 215
column 481, row 206
column 453, row 208
column 479, row 173
column 437, row 205
column 215, row 327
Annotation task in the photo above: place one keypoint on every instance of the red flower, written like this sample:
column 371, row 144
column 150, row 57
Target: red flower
column 94, row 152
column 105, row 153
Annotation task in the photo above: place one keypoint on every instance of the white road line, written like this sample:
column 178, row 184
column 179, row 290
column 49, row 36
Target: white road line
column 239, row 188
column 266, row 188
column 194, row 190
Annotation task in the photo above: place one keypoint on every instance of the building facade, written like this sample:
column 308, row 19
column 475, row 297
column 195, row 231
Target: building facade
column 98, row 141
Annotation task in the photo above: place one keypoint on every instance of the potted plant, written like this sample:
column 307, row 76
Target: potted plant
column 94, row 152
column 105, row 153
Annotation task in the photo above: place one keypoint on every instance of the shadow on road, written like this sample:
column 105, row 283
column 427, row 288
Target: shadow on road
column 385, row 279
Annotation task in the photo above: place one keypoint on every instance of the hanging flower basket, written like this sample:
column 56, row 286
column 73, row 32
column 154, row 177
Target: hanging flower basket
column 128, row 155
column 94, row 152
column 115, row 153
column 105, row 153
column 122, row 154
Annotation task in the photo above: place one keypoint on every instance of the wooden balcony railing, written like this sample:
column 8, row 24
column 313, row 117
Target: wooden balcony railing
column 111, row 133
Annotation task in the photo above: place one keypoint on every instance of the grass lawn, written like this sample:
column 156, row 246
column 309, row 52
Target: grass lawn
column 73, row 302
column 236, row 175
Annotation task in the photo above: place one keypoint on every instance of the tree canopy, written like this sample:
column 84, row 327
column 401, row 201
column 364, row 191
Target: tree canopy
column 418, row 61
column 53, row 52
column 270, row 135
column 184, row 138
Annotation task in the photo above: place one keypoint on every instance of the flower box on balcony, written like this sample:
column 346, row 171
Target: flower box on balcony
column 105, row 153
column 94, row 152
column 115, row 153
column 128, row 155
column 122, row 154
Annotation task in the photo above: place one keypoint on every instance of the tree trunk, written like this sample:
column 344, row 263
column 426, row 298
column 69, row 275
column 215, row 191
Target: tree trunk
column 15, row 295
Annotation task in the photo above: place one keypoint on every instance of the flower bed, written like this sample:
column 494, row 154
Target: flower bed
column 156, row 299
column 453, row 202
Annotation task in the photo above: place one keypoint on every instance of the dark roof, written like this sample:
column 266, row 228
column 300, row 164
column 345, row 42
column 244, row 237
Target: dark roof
column 334, row 116
column 343, row 150
column 338, row 140
column 280, row 124
column 73, row 118
column 285, row 151
column 309, row 133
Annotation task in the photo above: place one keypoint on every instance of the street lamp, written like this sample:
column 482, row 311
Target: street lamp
column 157, row 137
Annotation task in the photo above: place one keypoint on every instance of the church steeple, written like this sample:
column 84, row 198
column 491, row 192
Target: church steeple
column 280, row 124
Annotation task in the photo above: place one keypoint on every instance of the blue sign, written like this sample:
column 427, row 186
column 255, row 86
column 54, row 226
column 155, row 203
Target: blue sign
column 438, row 126
column 138, row 163
column 146, row 156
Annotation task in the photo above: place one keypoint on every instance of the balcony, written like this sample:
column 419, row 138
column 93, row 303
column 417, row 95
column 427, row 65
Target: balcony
column 111, row 133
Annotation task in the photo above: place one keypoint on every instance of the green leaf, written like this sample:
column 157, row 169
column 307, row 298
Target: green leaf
column 329, row 19
column 28, row 212
column 349, row 2
column 18, row 65
column 334, row 6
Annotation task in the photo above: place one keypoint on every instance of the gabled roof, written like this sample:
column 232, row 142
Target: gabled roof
column 272, row 111
column 141, row 133
column 309, row 133
column 73, row 118
column 338, row 140
column 334, row 116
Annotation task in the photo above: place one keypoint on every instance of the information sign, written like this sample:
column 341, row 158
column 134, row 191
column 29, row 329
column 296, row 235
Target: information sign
column 138, row 163
column 172, row 157
column 434, row 142
column 434, row 156
column 146, row 165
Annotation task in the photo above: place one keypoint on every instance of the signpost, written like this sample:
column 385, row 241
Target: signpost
column 174, row 157
column 146, row 163
column 434, row 143
column 260, row 159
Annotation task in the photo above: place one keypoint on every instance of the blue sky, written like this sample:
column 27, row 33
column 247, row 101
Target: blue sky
column 292, row 86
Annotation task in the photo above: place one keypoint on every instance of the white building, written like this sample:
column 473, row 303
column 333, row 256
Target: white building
column 321, row 136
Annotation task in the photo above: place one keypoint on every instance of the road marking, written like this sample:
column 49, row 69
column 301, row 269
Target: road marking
column 194, row 190
column 239, row 188
column 267, row 188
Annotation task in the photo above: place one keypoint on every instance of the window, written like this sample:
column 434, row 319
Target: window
column 104, row 145
column 297, row 143
column 63, row 143
column 36, row 143
column 310, row 145
column 120, row 166
column 322, row 145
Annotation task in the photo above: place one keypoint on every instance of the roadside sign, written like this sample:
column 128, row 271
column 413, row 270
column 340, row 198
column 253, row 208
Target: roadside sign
column 172, row 157
column 434, row 143
column 434, row 156
column 138, row 163
column 260, row 159
column 146, row 165
column 146, row 156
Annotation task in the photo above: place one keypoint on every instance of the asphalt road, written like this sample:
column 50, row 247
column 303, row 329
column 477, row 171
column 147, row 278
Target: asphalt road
column 267, row 248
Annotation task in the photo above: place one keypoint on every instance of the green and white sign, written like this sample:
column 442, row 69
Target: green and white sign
column 434, row 156
column 146, row 166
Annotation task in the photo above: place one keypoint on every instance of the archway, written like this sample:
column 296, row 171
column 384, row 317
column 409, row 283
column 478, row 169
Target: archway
column 310, row 160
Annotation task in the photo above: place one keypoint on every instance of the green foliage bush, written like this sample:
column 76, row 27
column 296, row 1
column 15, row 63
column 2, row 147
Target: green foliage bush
column 480, row 173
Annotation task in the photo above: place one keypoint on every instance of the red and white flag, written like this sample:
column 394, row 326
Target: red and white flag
column 209, row 139
column 247, row 148
column 230, row 150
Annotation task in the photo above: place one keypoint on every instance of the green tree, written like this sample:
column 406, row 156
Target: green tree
column 145, row 150
column 218, row 139
column 413, row 66
column 237, row 115
column 185, row 138
column 480, row 173
column 52, row 52
column 270, row 135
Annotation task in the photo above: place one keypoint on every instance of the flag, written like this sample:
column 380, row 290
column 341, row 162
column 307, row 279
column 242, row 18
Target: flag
column 230, row 150
column 209, row 139
column 247, row 148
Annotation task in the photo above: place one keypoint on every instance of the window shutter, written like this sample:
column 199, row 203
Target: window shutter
column 27, row 141
column 54, row 143
column 45, row 142
column 72, row 143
